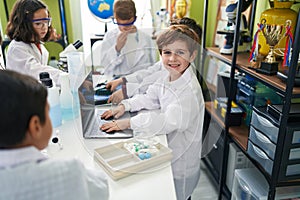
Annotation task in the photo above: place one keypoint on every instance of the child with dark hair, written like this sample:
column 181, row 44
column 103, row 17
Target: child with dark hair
column 175, row 107
column 29, row 26
column 25, row 129
column 126, row 49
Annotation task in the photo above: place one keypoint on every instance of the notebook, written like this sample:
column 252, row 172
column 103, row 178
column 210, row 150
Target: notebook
column 91, row 113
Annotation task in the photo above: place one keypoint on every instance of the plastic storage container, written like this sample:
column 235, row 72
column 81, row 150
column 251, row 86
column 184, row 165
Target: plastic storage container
column 265, row 123
column 249, row 184
column 260, row 156
column 263, row 142
column 53, row 100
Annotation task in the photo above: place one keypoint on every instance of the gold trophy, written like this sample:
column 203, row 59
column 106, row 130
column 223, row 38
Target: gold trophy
column 273, row 34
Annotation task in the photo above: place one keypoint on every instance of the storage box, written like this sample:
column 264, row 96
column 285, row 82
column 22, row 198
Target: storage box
column 236, row 160
column 262, row 145
column 120, row 162
column 276, row 111
column 291, row 153
column 235, row 115
column 265, row 123
column 252, row 93
column 250, row 184
column 263, row 142
column 256, row 94
column 260, row 156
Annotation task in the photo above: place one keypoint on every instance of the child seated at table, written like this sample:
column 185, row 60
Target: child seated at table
column 126, row 49
column 25, row 129
column 179, row 104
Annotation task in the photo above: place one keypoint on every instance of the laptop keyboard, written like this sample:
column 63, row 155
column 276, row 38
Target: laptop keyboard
column 95, row 122
column 94, row 128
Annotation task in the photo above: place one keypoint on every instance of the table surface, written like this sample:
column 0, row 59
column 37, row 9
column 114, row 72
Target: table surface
column 155, row 183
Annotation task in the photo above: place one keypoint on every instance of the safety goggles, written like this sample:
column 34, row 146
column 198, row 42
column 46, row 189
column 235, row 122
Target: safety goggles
column 41, row 22
column 126, row 24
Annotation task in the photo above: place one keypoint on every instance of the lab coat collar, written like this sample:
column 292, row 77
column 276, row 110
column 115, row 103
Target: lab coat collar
column 14, row 157
column 37, row 52
column 182, row 81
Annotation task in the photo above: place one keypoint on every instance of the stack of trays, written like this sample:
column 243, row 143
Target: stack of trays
column 263, row 138
column 276, row 111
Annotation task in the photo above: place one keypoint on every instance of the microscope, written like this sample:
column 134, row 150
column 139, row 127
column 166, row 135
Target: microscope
column 245, row 38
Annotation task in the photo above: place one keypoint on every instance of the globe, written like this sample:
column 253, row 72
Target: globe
column 101, row 9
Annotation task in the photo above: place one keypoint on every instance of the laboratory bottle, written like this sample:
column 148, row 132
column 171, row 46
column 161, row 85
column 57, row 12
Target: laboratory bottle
column 66, row 97
column 54, row 102
column 53, row 62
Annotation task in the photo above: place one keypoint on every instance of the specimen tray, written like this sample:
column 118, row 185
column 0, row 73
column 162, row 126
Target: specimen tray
column 119, row 162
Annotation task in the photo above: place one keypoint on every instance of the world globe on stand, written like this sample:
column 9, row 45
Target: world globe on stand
column 101, row 9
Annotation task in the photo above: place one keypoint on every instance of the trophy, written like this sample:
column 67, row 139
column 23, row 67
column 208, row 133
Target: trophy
column 273, row 34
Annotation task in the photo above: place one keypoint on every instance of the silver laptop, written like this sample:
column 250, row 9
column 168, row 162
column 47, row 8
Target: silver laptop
column 91, row 114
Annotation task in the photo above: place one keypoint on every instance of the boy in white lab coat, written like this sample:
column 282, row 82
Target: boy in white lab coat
column 139, row 81
column 126, row 49
column 179, row 98
column 25, row 129
column 29, row 26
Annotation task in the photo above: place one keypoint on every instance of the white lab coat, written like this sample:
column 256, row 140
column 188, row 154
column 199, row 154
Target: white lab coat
column 114, row 63
column 26, row 174
column 27, row 59
column 139, row 81
column 181, row 117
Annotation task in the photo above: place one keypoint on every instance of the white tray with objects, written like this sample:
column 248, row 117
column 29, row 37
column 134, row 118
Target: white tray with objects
column 131, row 156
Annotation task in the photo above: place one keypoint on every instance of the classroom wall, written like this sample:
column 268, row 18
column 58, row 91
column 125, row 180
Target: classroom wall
column 196, row 12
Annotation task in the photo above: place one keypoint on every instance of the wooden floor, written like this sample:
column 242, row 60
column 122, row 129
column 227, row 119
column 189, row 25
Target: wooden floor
column 206, row 190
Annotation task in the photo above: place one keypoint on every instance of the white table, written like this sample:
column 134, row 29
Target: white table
column 153, row 185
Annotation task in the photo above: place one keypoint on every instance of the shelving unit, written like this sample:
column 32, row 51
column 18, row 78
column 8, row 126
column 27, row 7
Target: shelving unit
column 239, row 134
column 242, row 64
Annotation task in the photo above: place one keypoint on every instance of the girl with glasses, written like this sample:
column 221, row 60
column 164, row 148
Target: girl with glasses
column 29, row 26
column 126, row 49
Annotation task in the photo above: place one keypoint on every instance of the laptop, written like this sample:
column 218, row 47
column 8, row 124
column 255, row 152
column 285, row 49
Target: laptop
column 91, row 114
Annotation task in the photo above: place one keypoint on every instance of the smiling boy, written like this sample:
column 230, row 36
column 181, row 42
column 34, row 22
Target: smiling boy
column 179, row 104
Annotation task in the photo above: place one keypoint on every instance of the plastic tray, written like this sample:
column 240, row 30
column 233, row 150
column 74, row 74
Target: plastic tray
column 119, row 162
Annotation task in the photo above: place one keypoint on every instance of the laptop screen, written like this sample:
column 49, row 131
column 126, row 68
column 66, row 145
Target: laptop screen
column 87, row 103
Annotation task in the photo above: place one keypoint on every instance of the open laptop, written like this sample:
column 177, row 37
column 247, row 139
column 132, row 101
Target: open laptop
column 91, row 114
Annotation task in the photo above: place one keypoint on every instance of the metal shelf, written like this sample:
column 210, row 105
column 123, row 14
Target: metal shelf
column 243, row 65
column 239, row 61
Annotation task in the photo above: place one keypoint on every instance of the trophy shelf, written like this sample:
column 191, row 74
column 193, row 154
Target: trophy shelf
column 243, row 65
column 238, row 133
